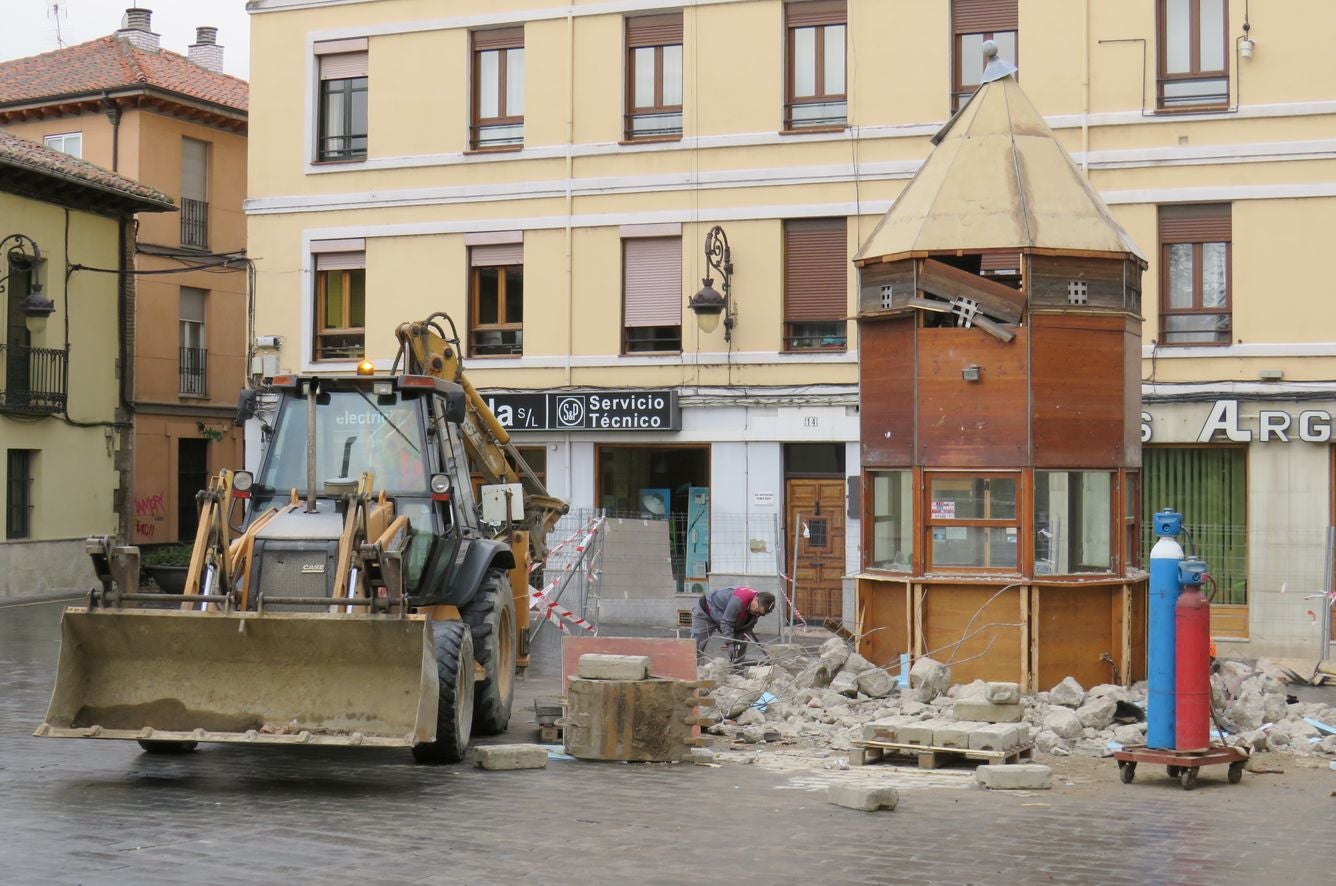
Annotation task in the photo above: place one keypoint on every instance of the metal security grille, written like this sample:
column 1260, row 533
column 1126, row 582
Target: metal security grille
column 18, row 494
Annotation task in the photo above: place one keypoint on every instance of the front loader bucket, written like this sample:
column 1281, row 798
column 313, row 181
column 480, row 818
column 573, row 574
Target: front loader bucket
column 277, row 678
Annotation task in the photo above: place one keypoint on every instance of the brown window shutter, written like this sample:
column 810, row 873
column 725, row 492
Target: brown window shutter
column 816, row 270
column 497, row 254
column 499, row 38
column 999, row 261
column 983, row 16
column 652, row 271
column 343, row 66
column 654, row 30
column 1205, row 223
column 815, row 12
column 340, row 261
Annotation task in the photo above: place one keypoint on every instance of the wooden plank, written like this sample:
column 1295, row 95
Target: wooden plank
column 1125, row 660
column 1079, row 391
column 886, row 403
column 966, row 424
column 974, row 630
column 1033, row 625
column 931, row 756
column 1073, row 633
column 884, row 632
column 1027, row 673
column 1002, row 302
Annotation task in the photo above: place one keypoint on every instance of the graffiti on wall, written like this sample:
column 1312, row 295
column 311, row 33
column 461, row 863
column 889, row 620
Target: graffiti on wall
column 150, row 515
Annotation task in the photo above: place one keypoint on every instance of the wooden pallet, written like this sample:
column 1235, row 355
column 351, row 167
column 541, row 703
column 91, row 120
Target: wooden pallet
column 865, row 752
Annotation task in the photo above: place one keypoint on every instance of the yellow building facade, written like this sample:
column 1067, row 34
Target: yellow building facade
column 547, row 173
column 64, row 428
column 174, row 122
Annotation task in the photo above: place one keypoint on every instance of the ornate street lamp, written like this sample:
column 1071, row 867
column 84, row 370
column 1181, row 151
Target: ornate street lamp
column 708, row 304
column 36, row 306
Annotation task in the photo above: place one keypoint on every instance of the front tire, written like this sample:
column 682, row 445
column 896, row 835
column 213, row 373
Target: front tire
column 491, row 618
column 454, row 711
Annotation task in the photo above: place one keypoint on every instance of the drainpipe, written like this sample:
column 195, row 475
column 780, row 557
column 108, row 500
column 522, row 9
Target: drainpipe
column 570, row 200
column 114, row 115
column 1085, row 92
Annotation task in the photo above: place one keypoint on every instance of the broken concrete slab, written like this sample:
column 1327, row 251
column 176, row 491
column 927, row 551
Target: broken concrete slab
column 1063, row 722
column 845, row 683
column 876, row 683
column 864, row 799
column 994, row 737
column 887, row 729
column 1015, row 777
column 1002, row 693
column 929, row 679
column 1068, row 693
column 596, row 666
column 987, row 712
column 1097, row 712
column 500, row 757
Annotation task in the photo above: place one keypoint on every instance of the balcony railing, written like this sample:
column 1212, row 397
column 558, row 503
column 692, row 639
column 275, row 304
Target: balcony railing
column 194, row 371
column 194, row 223
column 34, row 379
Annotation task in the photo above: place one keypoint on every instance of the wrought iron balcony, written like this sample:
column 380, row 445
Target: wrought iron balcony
column 34, row 379
column 194, row 223
column 194, row 371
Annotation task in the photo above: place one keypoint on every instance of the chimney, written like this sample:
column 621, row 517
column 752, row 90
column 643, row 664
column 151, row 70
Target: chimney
column 205, row 51
column 135, row 28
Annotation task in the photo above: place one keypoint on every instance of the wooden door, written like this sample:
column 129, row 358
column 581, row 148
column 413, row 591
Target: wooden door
column 816, row 508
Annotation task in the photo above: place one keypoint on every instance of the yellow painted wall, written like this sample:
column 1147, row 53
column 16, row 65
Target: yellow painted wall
column 74, row 475
column 1085, row 65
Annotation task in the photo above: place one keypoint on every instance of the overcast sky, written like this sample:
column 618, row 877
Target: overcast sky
column 29, row 26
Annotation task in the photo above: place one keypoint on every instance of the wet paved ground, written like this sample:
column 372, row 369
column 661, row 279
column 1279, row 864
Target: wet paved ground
column 99, row 812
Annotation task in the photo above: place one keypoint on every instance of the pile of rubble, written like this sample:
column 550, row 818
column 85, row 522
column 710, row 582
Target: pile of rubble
column 830, row 698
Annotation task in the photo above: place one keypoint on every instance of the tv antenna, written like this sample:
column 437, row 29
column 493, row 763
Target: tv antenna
column 56, row 10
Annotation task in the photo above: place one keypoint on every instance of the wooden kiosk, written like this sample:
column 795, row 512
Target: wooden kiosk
column 1000, row 341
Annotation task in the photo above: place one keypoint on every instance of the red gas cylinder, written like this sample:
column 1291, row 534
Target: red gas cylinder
column 1192, row 671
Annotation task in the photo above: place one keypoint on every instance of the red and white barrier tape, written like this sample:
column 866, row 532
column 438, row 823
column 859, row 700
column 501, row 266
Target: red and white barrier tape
column 552, row 610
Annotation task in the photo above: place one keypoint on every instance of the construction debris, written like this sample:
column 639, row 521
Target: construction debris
column 819, row 698
column 1015, row 777
column 863, row 798
column 498, row 757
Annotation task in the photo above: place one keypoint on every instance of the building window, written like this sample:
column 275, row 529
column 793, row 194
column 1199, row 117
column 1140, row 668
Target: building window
column 1208, row 485
column 67, row 142
column 194, row 193
column 498, row 89
column 654, row 76
column 194, row 364
column 1195, row 272
column 972, row 522
column 496, row 287
column 892, row 520
column 340, row 304
column 973, row 22
column 33, row 379
column 20, row 467
column 652, row 294
column 1193, row 57
column 343, row 100
column 816, row 268
column 815, row 92
column 1073, row 522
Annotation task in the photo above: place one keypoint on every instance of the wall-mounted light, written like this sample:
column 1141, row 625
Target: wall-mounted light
column 1246, row 43
column 36, row 306
column 970, row 372
column 708, row 304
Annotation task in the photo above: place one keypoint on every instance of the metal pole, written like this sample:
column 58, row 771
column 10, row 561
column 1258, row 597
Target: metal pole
column 310, row 446
column 793, row 573
column 1324, row 643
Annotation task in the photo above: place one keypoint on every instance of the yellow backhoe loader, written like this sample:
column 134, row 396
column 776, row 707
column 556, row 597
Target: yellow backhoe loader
column 353, row 591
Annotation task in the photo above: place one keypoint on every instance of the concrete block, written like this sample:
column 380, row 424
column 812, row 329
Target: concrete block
column 1002, row 693
column 887, row 729
column 1015, row 777
column 876, row 683
column 955, row 734
column 988, row 712
column 845, row 683
column 595, row 666
column 497, row 757
column 920, row 733
column 1063, row 722
column 864, row 799
column 994, row 737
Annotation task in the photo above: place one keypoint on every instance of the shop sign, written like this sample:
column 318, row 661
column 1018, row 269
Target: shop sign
column 1279, row 425
column 628, row 410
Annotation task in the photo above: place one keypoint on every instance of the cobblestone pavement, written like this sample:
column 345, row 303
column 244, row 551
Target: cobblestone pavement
column 99, row 812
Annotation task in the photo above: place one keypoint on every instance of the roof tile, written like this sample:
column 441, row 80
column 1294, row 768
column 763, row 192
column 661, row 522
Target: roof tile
column 21, row 153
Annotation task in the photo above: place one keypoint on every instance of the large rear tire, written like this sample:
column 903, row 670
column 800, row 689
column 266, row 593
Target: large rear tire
column 491, row 618
column 454, row 712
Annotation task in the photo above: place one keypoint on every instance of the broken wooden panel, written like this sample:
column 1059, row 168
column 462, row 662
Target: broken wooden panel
column 975, row 630
column 1079, row 392
column 969, row 424
column 1077, row 283
column 885, row 286
column 886, row 379
column 883, row 619
column 1138, row 599
column 1001, row 303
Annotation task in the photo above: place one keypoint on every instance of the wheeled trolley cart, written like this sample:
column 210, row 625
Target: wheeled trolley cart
column 1182, row 765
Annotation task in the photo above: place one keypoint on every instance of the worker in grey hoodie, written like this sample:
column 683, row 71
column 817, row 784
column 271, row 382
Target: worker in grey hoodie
column 733, row 612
